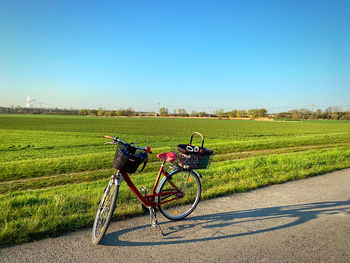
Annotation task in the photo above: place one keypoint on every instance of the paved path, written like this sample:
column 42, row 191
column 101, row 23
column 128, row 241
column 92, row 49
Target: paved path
column 301, row 221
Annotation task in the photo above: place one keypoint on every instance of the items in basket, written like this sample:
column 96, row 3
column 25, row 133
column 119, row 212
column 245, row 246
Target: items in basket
column 194, row 157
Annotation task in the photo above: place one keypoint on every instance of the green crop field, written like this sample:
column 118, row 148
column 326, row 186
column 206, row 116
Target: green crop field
column 53, row 169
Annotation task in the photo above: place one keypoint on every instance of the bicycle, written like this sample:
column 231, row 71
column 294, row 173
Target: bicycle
column 176, row 195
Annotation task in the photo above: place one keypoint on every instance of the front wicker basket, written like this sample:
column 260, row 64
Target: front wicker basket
column 127, row 159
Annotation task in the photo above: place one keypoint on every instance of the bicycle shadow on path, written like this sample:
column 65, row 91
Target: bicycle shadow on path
column 226, row 225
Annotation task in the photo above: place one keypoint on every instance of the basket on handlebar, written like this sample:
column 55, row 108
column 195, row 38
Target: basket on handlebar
column 128, row 158
column 194, row 157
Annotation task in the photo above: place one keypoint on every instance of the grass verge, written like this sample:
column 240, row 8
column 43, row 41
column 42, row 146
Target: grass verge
column 151, row 168
column 31, row 215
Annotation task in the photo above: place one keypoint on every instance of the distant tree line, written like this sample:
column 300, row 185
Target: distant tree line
column 101, row 112
column 83, row 112
column 331, row 113
column 23, row 110
column 220, row 113
column 181, row 113
column 251, row 113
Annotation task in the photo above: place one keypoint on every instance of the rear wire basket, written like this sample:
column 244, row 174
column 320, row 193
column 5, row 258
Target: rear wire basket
column 194, row 161
column 200, row 159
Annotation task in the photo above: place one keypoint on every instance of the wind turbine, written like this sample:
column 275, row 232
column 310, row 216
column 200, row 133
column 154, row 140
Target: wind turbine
column 29, row 102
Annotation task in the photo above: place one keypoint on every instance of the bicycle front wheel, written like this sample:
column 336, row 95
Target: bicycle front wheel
column 105, row 211
column 189, row 184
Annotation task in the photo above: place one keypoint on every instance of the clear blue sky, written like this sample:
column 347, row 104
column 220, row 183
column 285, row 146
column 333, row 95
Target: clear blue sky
column 200, row 55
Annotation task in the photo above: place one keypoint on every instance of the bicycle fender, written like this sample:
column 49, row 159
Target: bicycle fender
column 198, row 174
column 195, row 172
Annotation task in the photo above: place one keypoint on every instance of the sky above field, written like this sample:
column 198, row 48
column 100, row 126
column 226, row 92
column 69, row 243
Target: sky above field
column 197, row 55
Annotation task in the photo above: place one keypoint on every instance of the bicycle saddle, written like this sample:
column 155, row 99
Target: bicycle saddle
column 167, row 157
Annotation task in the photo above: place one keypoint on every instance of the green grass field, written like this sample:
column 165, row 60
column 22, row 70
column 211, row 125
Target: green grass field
column 53, row 169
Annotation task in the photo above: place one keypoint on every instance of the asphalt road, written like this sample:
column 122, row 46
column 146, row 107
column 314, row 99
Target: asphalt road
column 301, row 221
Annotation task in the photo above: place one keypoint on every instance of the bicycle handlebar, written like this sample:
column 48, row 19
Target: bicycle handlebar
column 116, row 139
column 108, row 137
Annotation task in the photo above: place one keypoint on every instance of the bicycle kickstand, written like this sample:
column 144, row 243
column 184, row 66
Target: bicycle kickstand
column 154, row 221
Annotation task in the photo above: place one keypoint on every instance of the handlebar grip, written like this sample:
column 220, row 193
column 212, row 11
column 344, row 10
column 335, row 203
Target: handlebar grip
column 108, row 137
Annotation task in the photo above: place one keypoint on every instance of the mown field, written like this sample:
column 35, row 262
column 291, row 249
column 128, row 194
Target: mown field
column 53, row 169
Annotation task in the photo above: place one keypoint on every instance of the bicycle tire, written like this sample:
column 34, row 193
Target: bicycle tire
column 105, row 211
column 189, row 183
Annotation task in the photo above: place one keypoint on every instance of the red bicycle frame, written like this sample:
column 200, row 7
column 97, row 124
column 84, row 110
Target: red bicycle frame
column 149, row 200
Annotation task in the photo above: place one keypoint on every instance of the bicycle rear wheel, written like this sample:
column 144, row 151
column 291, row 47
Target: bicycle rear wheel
column 189, row 183
column 105, row 211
